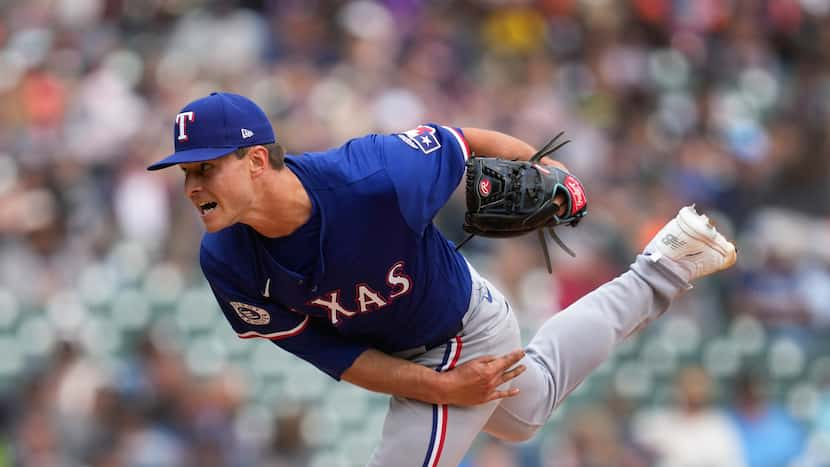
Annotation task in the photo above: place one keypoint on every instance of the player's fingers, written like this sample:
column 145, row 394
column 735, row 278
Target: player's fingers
column 503, row 394
column 510, row 374
column 560, row 201
column 509, row 360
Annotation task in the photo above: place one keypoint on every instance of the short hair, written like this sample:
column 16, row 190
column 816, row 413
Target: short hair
column 276, row 154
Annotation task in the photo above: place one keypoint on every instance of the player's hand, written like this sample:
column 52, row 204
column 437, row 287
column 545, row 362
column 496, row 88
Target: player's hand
column 560, row 198
column 478, row 380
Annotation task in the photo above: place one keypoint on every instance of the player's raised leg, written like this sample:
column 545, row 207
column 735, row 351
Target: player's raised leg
column 575, row 341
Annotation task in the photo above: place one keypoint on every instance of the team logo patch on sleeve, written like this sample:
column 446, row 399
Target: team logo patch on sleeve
column 423, row 137
column 251, row 314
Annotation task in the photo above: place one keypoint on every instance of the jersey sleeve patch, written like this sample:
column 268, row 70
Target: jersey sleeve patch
column 422, row 137
column 425, row 170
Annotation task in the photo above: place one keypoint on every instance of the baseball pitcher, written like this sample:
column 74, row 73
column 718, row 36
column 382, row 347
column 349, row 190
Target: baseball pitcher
column 333, row 256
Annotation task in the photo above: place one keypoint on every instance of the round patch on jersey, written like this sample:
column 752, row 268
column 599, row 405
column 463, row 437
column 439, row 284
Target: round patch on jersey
column 484, row 187
column 251, row 314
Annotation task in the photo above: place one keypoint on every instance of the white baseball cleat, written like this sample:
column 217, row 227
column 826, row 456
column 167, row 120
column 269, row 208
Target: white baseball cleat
column 692, row 242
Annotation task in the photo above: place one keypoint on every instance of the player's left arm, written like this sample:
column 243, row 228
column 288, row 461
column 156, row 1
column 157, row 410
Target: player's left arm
column 426, row 164
column 497, row 144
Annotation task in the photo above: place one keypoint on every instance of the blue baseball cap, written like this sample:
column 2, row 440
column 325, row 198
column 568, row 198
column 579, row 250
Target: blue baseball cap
column 213, row 126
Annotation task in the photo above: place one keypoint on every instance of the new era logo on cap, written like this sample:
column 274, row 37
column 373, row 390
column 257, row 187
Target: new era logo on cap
column 214, row 126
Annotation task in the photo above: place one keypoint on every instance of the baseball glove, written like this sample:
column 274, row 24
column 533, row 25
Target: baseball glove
column 508, row 198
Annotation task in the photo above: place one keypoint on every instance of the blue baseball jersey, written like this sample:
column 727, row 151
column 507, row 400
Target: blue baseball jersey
column 370, row 270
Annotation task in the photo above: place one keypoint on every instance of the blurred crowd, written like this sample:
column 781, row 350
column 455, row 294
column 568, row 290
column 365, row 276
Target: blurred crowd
column 722, row 103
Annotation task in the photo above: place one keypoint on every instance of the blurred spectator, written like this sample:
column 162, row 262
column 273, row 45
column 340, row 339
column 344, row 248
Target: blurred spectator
column 288, row 447
column 594, row 438
column 772, row 292
column 693, row 432
column 784, row 284
column 770, row 436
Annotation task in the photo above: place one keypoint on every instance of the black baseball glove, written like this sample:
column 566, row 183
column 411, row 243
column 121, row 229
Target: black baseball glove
column 507, row 198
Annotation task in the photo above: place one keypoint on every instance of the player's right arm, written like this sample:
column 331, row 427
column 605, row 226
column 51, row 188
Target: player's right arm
column 317, row 342
column 471, row 383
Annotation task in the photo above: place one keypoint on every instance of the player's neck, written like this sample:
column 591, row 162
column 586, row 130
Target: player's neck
column 282, row 207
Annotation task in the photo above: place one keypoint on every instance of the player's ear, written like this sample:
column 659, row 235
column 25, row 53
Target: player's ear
column 257, row 160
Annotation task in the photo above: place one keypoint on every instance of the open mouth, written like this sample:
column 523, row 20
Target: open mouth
column 206, row 208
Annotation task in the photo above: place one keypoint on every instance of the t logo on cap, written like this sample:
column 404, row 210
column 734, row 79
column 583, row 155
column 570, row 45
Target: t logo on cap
column 180, row 120
column 227, row 122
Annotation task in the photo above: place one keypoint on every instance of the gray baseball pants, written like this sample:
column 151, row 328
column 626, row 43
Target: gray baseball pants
column 561, row 355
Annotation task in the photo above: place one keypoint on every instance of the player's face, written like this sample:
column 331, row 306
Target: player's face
column 220, row 190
